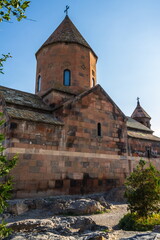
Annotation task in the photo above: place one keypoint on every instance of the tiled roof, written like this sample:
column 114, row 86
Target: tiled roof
column 133, row 124
column 66, row 32
column 139, row 112
column 142, row 135
column 16, row 113
column 22, row 98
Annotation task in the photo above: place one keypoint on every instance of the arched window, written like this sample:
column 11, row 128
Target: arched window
column 99, row 130
column 67, row 77
column 39, row 83
column 93, row 82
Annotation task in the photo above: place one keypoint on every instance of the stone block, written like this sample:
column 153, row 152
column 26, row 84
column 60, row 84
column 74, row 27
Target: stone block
column 51, row 183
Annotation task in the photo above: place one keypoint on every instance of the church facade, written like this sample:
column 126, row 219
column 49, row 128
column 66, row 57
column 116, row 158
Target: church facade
column 70, row 136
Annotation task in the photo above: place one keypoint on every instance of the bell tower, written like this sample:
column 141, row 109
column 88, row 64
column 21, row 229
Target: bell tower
column 65, row 63
column 140, row 115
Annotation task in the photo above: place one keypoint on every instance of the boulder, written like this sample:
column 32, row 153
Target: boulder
column 65, row 228
column 17, row 207
column 84, row 206
column 30, row 225
column 104, row 203
column 157, row 229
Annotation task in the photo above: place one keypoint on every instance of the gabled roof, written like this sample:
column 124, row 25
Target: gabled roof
column 29, row 115
column 26, row 106
column 139, row 112
column 142, row 135
column 66, row 32
column 87, row 92
column 135, row 125
column 13, row 96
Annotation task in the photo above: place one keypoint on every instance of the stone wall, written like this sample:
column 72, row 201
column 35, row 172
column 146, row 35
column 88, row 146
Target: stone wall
column 72, row 159
column 53, row 59
column 81, row 118
column 143, row 148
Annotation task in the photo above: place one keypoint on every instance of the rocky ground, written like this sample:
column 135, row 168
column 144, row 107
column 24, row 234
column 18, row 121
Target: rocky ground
column 70, row 218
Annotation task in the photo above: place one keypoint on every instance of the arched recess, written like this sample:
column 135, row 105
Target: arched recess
column 39, row 83
column 67, row 77
column 99, row 129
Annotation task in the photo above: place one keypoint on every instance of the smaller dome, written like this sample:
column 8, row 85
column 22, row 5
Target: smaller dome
column 139, row 112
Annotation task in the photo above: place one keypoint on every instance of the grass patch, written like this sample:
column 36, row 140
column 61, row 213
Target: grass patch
column 101, row 212
column 131, row 222
column 75, row 214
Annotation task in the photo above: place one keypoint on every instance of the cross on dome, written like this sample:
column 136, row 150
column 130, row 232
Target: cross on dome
column 138, row 101
column 66, row 10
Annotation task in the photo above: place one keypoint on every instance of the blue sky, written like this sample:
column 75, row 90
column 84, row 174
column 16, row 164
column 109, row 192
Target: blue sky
column 125, row 34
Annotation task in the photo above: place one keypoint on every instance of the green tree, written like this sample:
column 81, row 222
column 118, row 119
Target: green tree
column 6, row 184
column 2, row 60
column 143, row 190
column 8, row 8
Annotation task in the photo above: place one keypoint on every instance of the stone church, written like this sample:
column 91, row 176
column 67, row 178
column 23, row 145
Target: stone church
column 70, row 136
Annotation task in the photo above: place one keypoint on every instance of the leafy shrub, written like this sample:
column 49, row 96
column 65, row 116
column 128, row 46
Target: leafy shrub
column 130, row 222
column 143, row 190
column 4, row 231
column 143, row 195
column 6, row 184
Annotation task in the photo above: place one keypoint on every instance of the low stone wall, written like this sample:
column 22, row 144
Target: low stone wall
column 42, row 172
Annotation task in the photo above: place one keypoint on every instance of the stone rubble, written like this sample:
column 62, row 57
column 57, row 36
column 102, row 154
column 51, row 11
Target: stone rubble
column 65, row 228
column 61, row 205
column 145, row 236
column 61, row 218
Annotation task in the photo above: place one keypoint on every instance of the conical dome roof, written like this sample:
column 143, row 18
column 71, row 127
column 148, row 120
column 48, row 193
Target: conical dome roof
column 139, row 112
column 66, row 32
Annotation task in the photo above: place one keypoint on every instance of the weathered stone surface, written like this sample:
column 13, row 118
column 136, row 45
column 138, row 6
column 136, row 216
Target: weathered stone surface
column 156, row 228
column 59, row 205
column 116, row 195
column 102, row 201
column 65, row 228
column 145, row 236
column 17, row 207
column 84, row 206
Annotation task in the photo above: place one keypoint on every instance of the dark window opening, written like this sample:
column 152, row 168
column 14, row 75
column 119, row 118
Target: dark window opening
column 75, row 183
column 67, row 78
column 93, row 82
column 148, row 150
column 100, row 182
column 13, row 125
column 99, row 130
column 39, row 83
column 58, row 183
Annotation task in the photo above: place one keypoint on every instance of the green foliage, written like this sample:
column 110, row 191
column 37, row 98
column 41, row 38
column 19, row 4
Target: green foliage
column 143, row 190
column 6, row 184
column 15, row 8
column 4, row 231
column 2, row 60
column 130, row 222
